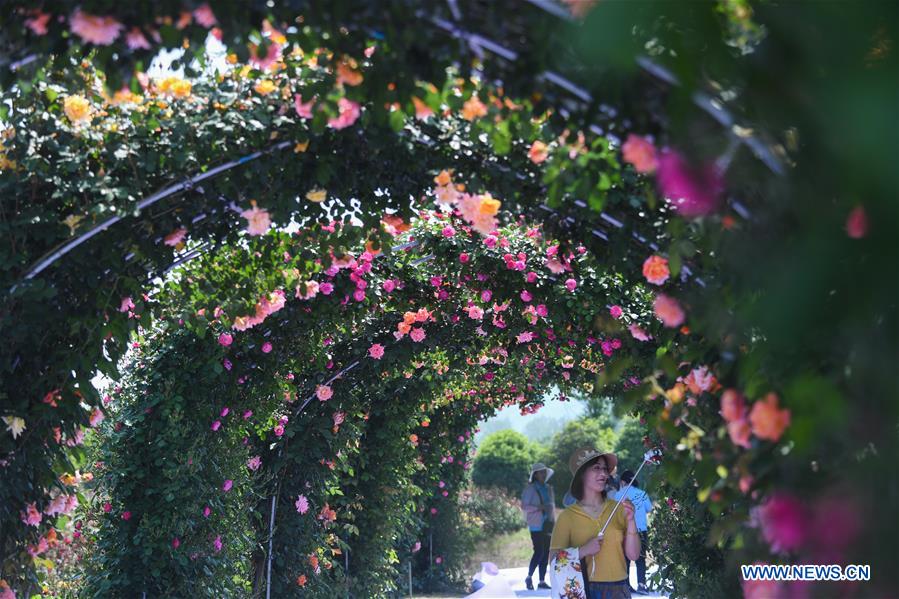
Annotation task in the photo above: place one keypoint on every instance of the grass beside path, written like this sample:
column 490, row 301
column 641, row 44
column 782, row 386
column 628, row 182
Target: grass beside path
column 511, row 550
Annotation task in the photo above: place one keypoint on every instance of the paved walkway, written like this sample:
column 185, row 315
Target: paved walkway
column 510, row 583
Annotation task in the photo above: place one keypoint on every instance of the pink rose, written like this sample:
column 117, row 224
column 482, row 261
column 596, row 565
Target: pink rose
column 96, row 417
column 216, row 425
column 691, row 191
column 463, row 258
column 304, row 111
column 227, row 485
column 101, row 31
column 127, row 305
column 302, row 504
column 31, row 516
column 176, row 236
column 784, row 522
column 668, row 311
column 740, row 432
column 616, row 312
column 258, row 220
column 417, row 334
column 857, row 223
column 225, row 339
column 204, row 16
column 376, row 351
column 323, row 392
column 266, row 347
column 732, row 405
column 571, row 284
column 638, row 333
column 349, row 112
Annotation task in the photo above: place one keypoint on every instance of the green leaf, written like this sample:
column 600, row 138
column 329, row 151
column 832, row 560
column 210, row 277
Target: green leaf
column 397, row 120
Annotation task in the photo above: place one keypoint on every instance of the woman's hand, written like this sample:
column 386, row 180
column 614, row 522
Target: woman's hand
column 628, row 509
column 589, row 548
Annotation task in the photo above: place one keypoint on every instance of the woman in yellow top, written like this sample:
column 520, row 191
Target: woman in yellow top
column 603, row 565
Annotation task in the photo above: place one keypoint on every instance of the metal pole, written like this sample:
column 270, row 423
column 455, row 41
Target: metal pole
column 410, row 576
column 271, row 528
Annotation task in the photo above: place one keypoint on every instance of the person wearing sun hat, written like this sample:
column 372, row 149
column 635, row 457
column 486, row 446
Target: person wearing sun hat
column 538, row 503
column 576, row 531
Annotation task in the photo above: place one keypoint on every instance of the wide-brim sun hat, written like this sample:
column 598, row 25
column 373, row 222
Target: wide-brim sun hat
column 582, row 456
column 537, row 468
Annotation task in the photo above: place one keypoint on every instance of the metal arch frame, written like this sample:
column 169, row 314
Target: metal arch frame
column 477, row 43
column 188, row 184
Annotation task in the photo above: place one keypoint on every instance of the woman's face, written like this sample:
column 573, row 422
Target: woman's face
column 596, row 475
column 540, row 475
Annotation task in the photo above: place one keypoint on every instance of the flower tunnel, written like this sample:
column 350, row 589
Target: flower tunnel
column 307, row 271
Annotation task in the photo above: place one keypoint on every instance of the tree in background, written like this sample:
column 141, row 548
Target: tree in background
column 504, row 460
column 629, row 446
column 602, row 409
column 577, row 433
column 541, row 429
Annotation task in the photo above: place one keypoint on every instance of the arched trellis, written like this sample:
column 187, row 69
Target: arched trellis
column 182, row 187
column 427, row 252
column 714, row 500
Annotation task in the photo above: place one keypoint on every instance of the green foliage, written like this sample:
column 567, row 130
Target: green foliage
column 629, row 446
column 689, row 564
column 504, row 460
column 161, row 466
column 491, row 511
column 576, row 434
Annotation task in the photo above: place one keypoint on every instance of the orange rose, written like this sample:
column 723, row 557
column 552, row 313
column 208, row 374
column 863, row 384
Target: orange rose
column 473, row 108
column 640, row 152
column 538, row 152
column 768, row 420
column 655, row 269
column 443, row 178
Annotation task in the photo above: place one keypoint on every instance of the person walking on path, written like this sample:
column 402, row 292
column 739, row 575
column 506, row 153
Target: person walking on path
column 538, row 503
column 642, row 505
column 601, row 568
